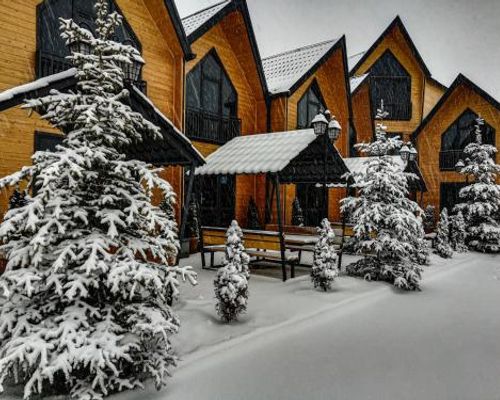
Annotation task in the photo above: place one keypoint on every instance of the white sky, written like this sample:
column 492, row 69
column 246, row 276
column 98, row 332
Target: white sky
column 451, row 35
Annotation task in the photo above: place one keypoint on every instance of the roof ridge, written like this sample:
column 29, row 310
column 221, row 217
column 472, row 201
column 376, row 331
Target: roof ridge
column 357, row 54
column 296, row 50
column 205, row 9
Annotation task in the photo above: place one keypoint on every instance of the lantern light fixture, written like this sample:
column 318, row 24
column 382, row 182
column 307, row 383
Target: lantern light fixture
column 413, row 153
column 334, row 129
column 404, row 152
column 319, row 124
column 459, row 166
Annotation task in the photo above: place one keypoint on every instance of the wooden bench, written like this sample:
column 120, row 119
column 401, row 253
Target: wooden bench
column 306, row 242
column 261, row 245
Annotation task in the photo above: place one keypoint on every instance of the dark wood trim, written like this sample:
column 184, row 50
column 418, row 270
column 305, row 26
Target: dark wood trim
column 179, row 29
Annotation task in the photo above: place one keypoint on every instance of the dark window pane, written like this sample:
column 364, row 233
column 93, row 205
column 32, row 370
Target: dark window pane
column 193, row 88
column 302, row 121
column 210, row 96
column 461, row 133
column 228, row 98
column 211, row 69
column 308, row 106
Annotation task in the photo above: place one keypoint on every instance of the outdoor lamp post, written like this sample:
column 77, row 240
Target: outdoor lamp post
column 413, row 153
column 324, row 124
column 404, row 152
column 132, row 70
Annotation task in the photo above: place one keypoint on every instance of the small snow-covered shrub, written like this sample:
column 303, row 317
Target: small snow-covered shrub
column 429, row 219
column 231, row 280
column 458, row 234
column 442, row 244
column 324, row 269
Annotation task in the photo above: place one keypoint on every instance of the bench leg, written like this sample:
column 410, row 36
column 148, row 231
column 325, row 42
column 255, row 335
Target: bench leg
column 300, row 256
column 212, row 259
column 203, row 262
column 292, row 269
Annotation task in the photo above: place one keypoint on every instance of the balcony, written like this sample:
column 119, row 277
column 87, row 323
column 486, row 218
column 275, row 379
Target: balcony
column 207, row 127
column 49, row 64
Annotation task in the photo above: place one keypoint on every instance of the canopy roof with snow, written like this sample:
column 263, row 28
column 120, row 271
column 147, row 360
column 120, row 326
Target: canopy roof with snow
column 296, row 156
column 285, row 71
column 173, row 148
column 358, row 165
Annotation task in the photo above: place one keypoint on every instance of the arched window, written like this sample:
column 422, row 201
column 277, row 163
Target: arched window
column 309, row 105
column 391, row 83
column 51, row 49
column 212, row 102
column 458, row 135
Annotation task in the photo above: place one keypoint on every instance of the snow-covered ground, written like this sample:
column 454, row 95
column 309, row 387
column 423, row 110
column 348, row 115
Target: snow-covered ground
column 362, row 340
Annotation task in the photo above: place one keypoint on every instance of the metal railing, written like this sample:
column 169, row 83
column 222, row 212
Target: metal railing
column 448, row 159
column 201, row 125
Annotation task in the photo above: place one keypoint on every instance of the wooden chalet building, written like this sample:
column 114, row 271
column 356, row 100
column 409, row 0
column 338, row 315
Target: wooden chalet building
column 226, row 97
column 392, row 70
column 444, row 133
column 302, row 82
column 33, row 62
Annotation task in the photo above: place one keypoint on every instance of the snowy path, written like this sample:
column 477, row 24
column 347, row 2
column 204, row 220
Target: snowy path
column 442, row 343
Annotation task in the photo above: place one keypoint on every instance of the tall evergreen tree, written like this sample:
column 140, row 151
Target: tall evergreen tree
column 388, row 232
column 442, row 245
column 84, row 310
column 458, row 234
column 231, row 281
column 324, row 269
column 18, row 199
column 429, row 218
column 481, row 199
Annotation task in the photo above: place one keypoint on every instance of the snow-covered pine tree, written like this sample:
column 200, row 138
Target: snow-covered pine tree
column 231, row 281
column 442, row 245
column 18, row 199
column 253, row 215
column 458, row 234
column 481, row 199
column 429, row 218
column 324, row 269
column 193, row 222
column 388, row 231
column 297, row 213
column 84, row 309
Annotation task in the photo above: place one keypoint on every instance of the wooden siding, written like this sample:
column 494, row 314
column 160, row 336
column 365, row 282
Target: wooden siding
column 396, row 43
column 163, row 72
column 362, row 111
column 230, row 40
column 433, row 92
column 429, row 139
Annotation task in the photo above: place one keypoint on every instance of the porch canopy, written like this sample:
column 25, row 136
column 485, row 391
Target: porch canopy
column 285, row 157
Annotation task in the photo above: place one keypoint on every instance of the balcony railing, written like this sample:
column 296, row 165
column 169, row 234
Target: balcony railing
column 448, row 159
column 208, row 127
column 49, row 64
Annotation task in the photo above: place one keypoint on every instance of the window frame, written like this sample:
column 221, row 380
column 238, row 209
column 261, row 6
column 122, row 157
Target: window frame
column 314, row 89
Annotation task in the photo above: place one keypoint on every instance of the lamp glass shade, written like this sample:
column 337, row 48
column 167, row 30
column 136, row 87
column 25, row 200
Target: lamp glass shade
column 413, row 154
column 132, row 70
column 319, row 124
column 334, row 129
column 404, row 152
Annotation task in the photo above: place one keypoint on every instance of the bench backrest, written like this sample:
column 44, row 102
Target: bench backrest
column 251, row 239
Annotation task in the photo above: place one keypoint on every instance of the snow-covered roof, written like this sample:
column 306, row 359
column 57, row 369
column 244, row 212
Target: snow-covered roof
column 283, row 70
column 192, row 22
column 41, row 83
column 356, row 81
column 358, row 164
column 255, row 154
column 354, row 59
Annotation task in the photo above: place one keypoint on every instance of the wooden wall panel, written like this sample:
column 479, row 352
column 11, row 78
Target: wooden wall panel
column 163, row 71
column 432, row 94
column 429, row 139
column 362, row 117
column 396, row 43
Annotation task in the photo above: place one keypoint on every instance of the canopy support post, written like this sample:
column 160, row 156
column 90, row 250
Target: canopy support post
column 280, row 228
column 185, row 209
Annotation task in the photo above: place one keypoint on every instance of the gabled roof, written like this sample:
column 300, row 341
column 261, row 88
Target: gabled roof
column 356, row 82
column 396, row 23
column 354, row 59
column 459, row 80
column 179, row 30
column 194, row 21
column 257, row 154
column 174, row 148
column 197, row 24
column 286, row 71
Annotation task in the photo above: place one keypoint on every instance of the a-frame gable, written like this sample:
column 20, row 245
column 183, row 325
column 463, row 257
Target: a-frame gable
column 458, row 82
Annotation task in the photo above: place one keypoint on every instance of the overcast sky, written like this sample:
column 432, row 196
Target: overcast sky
column 451, row 35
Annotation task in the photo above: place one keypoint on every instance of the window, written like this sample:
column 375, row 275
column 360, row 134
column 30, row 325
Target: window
column 309, row 105
column 209, row 88
column 449, row 195
column 217, row 199
column 458, row 136
column 391, row 83
column 51, row 49
column 47, row 141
